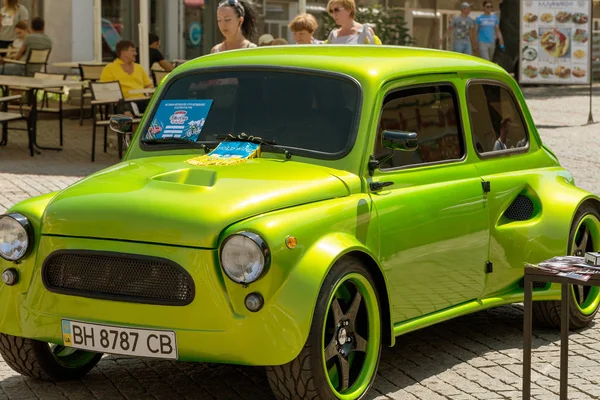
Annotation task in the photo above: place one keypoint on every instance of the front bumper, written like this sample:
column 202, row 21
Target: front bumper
column 212, row 328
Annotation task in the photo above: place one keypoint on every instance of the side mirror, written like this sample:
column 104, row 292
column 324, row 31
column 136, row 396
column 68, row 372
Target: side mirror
column 400, row 140
column 121, row 124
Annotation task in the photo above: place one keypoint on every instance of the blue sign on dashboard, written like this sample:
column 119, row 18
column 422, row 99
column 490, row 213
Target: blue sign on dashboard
column 183, row 119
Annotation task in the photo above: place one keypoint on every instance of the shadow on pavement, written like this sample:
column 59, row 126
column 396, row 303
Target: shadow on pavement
column 466, row 345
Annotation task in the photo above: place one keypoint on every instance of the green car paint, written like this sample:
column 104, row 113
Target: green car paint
column 426, row 238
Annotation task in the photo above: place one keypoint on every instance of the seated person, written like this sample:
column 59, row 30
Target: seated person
column 155, row 55
column 37, row 40
column 500, row 143
column 22, row 31
column 130, row 76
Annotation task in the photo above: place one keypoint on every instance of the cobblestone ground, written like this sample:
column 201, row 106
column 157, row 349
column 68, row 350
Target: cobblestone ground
column 473, row 357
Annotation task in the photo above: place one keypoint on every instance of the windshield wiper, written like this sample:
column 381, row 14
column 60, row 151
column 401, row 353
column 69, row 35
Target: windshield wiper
column 242, row 137
column 174, row 140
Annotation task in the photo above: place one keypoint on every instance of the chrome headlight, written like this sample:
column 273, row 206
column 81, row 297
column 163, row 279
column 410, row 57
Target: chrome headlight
column 16, row 236
column 244, row 257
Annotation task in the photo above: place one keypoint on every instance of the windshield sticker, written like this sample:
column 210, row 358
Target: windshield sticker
column 181, row 119
column 227, row 153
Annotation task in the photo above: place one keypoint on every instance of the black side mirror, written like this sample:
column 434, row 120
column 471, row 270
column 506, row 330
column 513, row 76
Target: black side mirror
column 121, row 124
column 400, row 140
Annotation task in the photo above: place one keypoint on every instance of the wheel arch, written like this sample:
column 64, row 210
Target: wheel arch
column 375, row 270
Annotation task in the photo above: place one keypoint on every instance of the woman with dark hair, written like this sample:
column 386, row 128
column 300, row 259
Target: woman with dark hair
column 237, row 22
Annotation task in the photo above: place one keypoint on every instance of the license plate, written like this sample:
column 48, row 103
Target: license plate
column 120, row 340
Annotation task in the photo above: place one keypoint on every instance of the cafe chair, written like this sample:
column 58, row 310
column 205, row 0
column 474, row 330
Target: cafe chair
column 6, row 117
column 158, row 76
column 44, row 106
column 36, row 61
column 88, row 73
column 107, row 98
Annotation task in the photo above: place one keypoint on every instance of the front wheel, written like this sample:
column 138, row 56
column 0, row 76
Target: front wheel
column 341, row 354
column 46, row 361
column 584, row 300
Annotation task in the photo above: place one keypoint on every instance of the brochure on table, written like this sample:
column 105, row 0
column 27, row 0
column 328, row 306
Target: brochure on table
column 555, row 41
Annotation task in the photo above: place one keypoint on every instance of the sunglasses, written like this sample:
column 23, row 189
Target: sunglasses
column 485, row 6
column 337, row 9
column 235, row 4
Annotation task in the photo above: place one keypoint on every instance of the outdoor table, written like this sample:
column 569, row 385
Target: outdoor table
column 143, row 91
column 538, row 275
column 32, row 86
column 75, row 64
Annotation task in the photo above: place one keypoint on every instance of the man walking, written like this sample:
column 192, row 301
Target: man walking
column 463, row 28
column 487, row 31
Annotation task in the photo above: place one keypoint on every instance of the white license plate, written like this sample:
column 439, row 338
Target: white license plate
column 120, row 340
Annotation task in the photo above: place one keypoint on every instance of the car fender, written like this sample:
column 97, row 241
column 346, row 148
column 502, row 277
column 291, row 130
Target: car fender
column 294, row 280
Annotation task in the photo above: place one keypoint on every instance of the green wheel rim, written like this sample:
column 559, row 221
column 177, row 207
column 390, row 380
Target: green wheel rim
column 586, row 238
column 351, row 337
column 69, row 357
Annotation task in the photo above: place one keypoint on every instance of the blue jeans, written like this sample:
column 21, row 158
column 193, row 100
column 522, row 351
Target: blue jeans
column 463, row 46
column 13, row 69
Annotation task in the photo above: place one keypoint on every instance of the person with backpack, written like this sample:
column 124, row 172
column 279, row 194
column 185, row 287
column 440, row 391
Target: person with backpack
column 349, row 31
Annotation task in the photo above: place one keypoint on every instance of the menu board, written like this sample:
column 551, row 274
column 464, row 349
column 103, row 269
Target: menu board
column 555, row 41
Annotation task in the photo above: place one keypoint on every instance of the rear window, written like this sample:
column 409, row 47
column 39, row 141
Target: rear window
column 316, row 113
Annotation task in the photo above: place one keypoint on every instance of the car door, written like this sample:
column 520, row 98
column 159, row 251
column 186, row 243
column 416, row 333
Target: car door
column 434, row 224
column 508, row 165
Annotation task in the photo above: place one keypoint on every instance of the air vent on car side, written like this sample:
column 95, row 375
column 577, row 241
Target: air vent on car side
column 521, row 209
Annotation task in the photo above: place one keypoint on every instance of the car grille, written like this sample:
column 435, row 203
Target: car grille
column 117, row 276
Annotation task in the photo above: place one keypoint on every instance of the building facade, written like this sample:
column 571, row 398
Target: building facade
column 188, row 29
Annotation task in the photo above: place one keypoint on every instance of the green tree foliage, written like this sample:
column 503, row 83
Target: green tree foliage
column 388, row 24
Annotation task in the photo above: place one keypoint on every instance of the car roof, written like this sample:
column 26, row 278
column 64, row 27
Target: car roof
column 364, row 62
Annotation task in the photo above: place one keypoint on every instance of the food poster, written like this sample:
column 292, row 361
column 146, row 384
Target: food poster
column 555, row 41
column 182, row 119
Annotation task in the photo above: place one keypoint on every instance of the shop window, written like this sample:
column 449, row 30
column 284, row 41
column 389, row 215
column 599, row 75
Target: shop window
column 431, row 112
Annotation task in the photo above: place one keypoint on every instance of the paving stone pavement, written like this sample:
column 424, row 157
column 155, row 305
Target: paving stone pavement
column 472, row 357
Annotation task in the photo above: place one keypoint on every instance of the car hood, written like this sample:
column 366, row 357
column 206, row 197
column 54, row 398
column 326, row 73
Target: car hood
column 165, row 200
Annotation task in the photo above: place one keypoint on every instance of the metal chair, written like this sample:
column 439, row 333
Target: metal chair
column 158, row 76
column 44, row 106
column 6, row 117
column 36, row 61
column 88, row 73
column 107, row 97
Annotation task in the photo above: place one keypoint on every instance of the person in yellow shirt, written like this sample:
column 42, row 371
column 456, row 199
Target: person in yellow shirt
column 130, row 75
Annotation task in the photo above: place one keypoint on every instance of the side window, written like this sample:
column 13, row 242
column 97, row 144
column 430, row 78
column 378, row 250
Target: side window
column 496, row 120
column 429, row 111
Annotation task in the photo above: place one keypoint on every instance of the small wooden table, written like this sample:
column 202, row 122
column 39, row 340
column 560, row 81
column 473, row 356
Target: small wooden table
column 75, row 64
column 32, row 86
column 538, row 275
column 143, row 91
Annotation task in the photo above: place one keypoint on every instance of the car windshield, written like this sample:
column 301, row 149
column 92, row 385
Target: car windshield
column 312, row 113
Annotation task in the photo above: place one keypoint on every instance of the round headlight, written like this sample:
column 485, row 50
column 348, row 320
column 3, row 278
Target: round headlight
column 244, row 257
column 15, row 237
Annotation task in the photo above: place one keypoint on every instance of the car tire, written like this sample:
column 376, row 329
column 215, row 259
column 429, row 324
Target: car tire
column 584, row 236
column 347, row 310
column 46, row 361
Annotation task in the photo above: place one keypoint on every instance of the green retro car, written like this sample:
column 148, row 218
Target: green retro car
column 296, row 208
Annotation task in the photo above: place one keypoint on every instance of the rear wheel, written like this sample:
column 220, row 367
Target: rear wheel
column 341, row 355
column 584, row 301
column 46, row 361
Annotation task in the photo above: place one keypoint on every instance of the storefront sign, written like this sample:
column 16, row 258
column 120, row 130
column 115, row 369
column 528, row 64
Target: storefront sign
column 195, row 33
column 555, row 41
